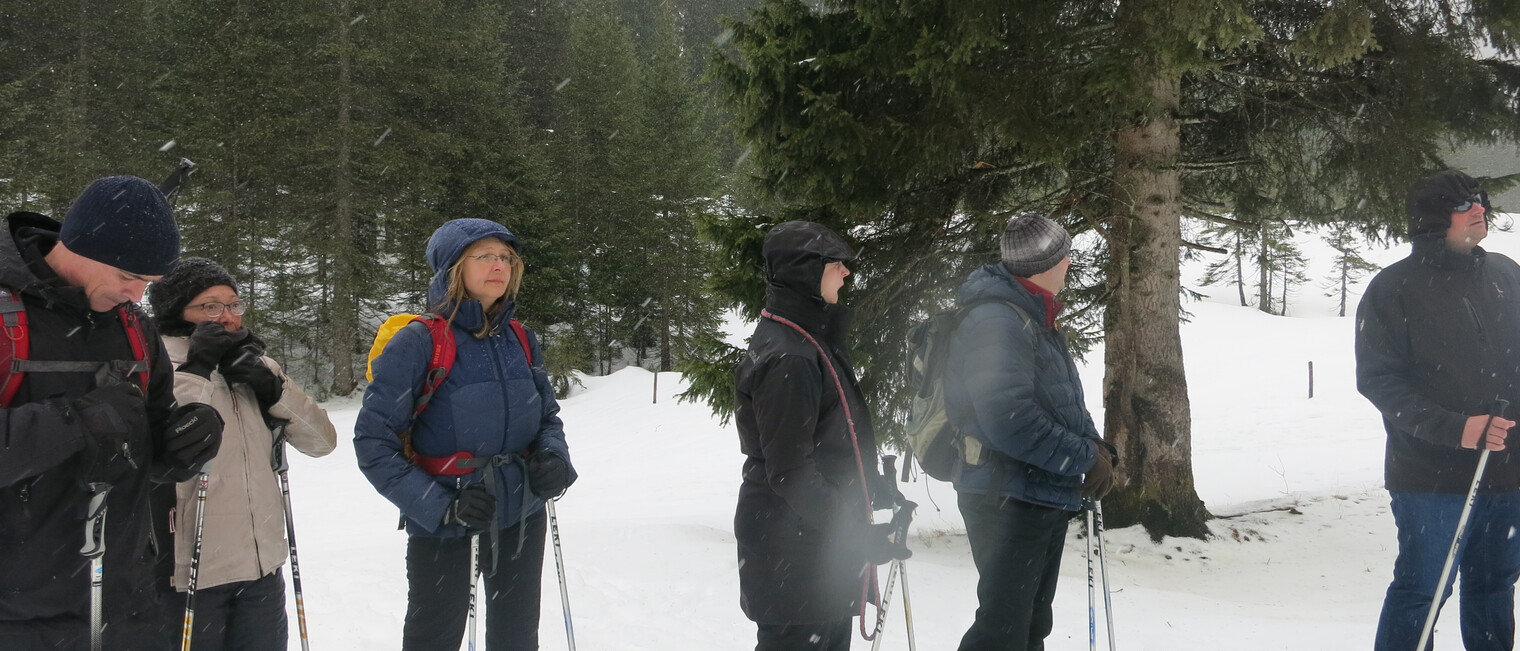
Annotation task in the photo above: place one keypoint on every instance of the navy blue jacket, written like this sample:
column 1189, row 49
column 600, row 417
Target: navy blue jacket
column 1011, row 384
column 492, row 403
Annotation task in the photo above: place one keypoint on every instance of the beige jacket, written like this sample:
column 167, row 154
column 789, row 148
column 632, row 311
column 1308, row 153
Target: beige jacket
column 243, row 537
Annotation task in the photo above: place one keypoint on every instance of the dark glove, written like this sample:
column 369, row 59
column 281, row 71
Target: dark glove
column 879, row 548
column 110, row 417
column 208, row 343
column 243, row 365
column 1100, row 477
column 548, row 474
column 194, row 435
column 473, row 507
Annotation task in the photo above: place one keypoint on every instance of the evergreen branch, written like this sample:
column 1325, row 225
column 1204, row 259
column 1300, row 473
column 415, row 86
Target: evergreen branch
column 1194, row 212
column 1204, row 247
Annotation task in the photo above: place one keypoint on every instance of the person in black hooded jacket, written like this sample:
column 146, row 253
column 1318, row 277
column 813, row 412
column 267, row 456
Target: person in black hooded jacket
column 807, row 546
column 1438, row 353
column 78, row 420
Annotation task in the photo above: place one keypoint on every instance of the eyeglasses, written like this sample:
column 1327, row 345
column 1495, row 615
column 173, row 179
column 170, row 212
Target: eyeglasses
column 214, row 309
column 492, row 258
column 1481, row 198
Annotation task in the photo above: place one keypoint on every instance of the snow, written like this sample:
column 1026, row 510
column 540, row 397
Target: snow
column 1300, row 562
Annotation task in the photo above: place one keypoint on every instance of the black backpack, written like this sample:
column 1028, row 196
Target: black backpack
column 933, row 439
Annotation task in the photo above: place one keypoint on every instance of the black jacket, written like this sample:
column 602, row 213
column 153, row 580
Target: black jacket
column 1437, row 341
column 802, row 507
column 42, row 467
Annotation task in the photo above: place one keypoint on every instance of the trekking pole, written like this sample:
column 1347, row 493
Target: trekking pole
column 95, row 550
column 902, row 514
column 282, row 468
column 474, row 585
column 1108, row 602
column 902, row 570
column 1456, row 540
column 1092, row 612
column 171, row 186
column 559, row 565
column 195, row 560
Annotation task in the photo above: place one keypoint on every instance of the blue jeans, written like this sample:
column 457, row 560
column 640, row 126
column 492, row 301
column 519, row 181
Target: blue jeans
column 1488, row 561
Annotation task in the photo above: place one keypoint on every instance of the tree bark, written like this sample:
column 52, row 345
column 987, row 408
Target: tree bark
column 1147, row 415
column 344, row 312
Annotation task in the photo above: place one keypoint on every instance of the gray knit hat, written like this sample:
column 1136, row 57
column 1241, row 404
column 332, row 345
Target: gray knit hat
column 1033, row 244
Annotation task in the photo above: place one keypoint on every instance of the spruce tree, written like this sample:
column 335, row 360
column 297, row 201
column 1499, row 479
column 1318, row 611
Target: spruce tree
column 920, row 128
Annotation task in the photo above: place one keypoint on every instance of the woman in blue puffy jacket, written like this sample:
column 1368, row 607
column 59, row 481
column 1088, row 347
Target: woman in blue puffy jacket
column 480, row 458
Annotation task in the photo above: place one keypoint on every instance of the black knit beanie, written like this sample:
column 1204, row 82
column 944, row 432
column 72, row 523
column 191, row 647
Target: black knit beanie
column 1431, row 201
column 125, row 222
column 171, row 294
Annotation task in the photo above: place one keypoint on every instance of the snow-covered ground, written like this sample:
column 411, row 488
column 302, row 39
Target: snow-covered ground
column 1299, row 562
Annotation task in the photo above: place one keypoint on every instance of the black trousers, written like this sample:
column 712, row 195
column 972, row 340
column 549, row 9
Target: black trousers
column 825, row 636
column 438, row 590
column 1017, row 550
column 241, row 616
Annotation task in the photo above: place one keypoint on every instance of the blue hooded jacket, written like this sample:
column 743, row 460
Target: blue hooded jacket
column 492, row 403
column 1011, row 384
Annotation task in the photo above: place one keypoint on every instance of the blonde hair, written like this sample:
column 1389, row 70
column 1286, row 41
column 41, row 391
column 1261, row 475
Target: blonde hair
column 456, row 293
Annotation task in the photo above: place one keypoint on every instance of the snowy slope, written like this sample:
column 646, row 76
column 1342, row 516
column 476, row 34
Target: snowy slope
column 1301, row 563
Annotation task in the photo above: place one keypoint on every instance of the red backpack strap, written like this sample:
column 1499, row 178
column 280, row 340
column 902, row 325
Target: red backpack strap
column 15, row 345
column 522, row 338
column 441, row 361
column 138, row 338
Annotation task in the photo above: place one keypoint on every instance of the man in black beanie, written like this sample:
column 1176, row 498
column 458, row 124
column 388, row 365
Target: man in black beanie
column 92, row 405
column 1032, row 452
column 1438, row 353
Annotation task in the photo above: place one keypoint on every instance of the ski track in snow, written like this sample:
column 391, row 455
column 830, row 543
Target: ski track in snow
column 1300, row 561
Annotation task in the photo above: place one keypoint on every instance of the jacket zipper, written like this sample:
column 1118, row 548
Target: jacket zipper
column 1472, row 311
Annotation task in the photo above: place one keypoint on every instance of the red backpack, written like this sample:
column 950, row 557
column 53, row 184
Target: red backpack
column 439, row 365
column 16, row 349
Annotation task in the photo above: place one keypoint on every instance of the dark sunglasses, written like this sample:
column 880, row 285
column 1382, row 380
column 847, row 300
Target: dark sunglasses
column 1481, row 198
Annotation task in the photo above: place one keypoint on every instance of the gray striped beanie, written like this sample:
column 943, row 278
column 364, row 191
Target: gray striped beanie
column 1033, row 244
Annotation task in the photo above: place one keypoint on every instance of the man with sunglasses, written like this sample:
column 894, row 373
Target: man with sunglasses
column 1438, row 353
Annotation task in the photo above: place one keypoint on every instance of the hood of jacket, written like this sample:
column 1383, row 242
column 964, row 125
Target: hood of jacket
column 444, row 249
column 23, row 267
column 449, row 242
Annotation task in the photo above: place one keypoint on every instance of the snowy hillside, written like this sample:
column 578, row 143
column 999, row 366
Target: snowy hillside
column 1301, row 563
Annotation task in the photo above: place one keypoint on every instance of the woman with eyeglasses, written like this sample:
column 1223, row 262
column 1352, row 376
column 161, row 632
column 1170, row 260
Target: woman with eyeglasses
column 477, row 457
column 240, row 589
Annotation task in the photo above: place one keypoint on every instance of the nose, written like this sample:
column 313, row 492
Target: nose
column 845, row 269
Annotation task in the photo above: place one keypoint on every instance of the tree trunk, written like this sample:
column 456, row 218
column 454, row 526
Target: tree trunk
column 344, row 312
column 1264, row 268
column 1345, row 271
column 1240, row 279
column 1145, row 388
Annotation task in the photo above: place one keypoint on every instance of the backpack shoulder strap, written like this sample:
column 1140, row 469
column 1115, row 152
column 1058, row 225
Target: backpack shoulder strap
column 16, row 344
column 138, row 338
column 522, row 338
column 440, row 362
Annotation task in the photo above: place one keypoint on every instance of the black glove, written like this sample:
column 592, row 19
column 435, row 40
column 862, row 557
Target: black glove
column 1100, row 477
column 548, row 474
column 879, row 548
column 194, row 435
column 110, row 417
column 473, row 507
column 208, row 343
column 243, row 365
